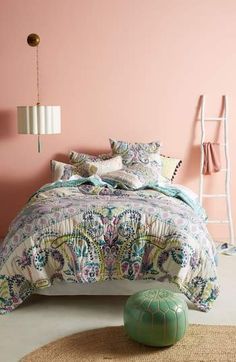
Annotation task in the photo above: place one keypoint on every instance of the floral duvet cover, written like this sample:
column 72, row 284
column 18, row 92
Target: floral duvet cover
column 86, row 233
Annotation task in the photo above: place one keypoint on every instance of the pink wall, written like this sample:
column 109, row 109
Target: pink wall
column 128, row 69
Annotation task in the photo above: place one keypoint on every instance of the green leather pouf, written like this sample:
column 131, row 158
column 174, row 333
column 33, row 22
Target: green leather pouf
column 156, row 317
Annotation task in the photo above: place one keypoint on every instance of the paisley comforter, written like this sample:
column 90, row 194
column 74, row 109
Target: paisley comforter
column 86, row 233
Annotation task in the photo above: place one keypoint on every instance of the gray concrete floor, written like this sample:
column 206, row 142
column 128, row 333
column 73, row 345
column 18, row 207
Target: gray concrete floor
column 43, row 319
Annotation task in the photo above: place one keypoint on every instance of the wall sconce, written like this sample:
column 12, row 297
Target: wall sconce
column 38, row 119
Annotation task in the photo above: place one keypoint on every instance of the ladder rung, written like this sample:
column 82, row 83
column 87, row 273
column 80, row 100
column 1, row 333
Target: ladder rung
column 214, row 119
column 214, row 195
column 218, row 221
column 221, row 144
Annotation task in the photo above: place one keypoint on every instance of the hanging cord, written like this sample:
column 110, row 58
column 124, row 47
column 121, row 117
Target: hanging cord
column 37, row 69
column 37, row 81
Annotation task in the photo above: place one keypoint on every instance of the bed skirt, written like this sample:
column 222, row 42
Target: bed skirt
column 109, row 287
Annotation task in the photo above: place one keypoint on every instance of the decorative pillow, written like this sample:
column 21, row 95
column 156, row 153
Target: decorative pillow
column 62, row 171
column 135, row 176
column 79, row 158
column 101, row 167
column 136, row 152
column 169, row 167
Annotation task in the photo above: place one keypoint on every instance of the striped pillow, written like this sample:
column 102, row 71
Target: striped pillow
column 79, row 158
column 101, row 167
column 62, row 171
column 134, row 177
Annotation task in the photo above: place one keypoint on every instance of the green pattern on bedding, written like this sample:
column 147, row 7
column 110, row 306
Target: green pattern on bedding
column 84, row 232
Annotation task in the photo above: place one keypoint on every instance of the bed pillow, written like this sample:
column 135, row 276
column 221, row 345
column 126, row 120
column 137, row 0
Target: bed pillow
column 134, row 176
column 136, row 152
column 101, row 167
column 170, row 167
column 62, row 171
column 79, row 158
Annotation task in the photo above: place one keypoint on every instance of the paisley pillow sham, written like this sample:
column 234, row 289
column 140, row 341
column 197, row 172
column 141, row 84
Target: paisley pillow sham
column 170, row 167
column 101, row 167
column 79, row 158
column 132, row 153
column 134, row 176
column 62, row 171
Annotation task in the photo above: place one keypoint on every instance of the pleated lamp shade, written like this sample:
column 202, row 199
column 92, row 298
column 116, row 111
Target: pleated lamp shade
column 39, row 120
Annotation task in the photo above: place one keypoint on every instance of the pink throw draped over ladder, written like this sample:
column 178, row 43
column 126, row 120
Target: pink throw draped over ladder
column 211, row 158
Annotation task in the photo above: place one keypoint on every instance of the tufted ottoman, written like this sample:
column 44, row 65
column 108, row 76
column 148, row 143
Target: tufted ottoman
column 156, row 317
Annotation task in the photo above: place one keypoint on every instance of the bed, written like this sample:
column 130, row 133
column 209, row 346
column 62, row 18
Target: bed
column 86, row 230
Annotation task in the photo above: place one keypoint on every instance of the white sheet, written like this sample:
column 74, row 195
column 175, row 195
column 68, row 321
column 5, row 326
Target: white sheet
column 109, row 287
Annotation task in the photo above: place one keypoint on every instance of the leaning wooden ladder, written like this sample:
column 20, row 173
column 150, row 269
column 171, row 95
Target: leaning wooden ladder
column 226, row 170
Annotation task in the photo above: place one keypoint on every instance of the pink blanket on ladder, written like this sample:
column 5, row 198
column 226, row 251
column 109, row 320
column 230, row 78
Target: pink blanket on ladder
column 211, row 158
